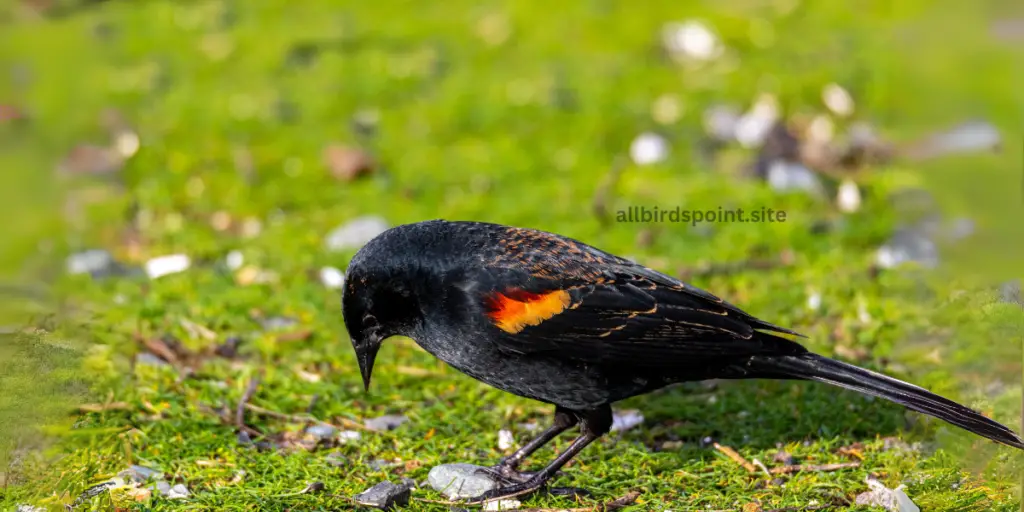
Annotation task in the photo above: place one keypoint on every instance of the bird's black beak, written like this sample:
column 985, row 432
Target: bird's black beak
column 366, row 353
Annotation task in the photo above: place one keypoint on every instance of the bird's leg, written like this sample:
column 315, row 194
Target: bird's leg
column 506, row 470
column 593, row 424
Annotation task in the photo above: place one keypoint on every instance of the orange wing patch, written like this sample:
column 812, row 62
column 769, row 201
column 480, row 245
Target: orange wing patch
column 516, row 309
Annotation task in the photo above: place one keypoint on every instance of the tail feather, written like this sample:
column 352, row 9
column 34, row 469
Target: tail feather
column 822, row 369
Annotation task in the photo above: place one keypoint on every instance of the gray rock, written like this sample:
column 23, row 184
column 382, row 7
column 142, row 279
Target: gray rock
column 1009, row 292
column 964, row 138
column 386, row 422
column 720, row 122
column 321, row 432
column 457, row 481
column 355, row 233
column 163, row 488
column 908, row 245
column 140, row 473
column 29, row 508
column 893, row 500
column 786, row 176
column 384, row 495
column 150, row 359
column 278, row 323
column 380, row 464
column 960, row 228
column 336, row 459
column 625, row 420
column 179, row 491
column 98, row 263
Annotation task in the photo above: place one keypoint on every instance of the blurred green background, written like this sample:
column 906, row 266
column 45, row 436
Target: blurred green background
column 242, row 134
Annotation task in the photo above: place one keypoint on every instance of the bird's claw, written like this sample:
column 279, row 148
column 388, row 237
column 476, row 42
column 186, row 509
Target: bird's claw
column 506, row 475
column 506, row 492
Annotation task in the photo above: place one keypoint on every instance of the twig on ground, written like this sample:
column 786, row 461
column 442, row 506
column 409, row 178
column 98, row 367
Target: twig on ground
column 226, row 420
column 112, row 406
column 617, row 503
column 620, row 502
column 797, row 468
column 715, row 269
column 250, row 390
column 735, row 456
column 307, row 418
column 160, row 349
column 604, row 191
column 312, row 403
column 437, row 502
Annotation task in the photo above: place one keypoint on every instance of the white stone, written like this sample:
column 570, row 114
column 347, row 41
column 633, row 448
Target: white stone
column 625, row 420
column 505, row 439
column 648, row 148
column 165, row 265
column 692, row 39
column 848, row 197
column 332, row 278
column 234, row 260
column 837, row 99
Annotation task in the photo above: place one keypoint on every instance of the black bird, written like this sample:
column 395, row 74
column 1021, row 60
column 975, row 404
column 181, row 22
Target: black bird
column 553, row 319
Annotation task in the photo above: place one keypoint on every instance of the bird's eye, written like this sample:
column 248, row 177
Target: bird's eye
column 370, row 322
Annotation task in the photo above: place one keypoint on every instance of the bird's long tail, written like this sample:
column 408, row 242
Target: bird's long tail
column 808, row 366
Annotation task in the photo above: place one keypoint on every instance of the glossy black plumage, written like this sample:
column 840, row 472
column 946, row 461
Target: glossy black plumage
column 595, row 329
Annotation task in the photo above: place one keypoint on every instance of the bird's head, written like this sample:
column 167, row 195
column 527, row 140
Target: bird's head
column 377, row 303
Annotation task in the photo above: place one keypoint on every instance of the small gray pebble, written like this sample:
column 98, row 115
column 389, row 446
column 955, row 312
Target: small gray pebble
column 321, row 431
column 139, row 473
column 384, row 495
column 163, row 488
column 386, row 422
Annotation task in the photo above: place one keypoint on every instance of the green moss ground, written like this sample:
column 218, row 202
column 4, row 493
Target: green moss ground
column 511, row 113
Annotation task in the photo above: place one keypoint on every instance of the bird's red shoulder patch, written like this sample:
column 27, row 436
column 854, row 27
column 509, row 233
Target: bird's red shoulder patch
column 515, row 309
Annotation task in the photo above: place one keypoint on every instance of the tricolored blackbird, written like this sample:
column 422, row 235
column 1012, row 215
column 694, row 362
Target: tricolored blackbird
column 553, row 319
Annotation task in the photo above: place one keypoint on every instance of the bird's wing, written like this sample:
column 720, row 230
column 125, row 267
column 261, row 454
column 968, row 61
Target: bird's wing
column 601, row 308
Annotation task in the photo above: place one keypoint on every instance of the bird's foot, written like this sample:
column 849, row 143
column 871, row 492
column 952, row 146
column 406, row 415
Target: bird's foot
column 509, row 491
column 506, row 474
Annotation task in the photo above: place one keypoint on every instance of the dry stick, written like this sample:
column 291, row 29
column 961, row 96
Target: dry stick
column 160, row 349
column 229, row 421
column 615, row 504
column 604, row 190
column 785, row 470
column 303, row 418
column 113, row 406
column 732, row 454
column 250, row 390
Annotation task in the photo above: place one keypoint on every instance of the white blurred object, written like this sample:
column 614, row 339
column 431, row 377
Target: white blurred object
column 814, row 300
column 126, row 143
column 837, row 99
column 505, row 439
column 785, row 176
column 848, row 197
column 332, row 278
column 692, row 39
column 503, row 505
column 753, row 127
column 234, row 260
column 820, row 130
column 625, row 420
column 893, row 500
column 165, row 265
column 349, row 436
column 355, row 233
column 648, row 148
column 720, row 122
